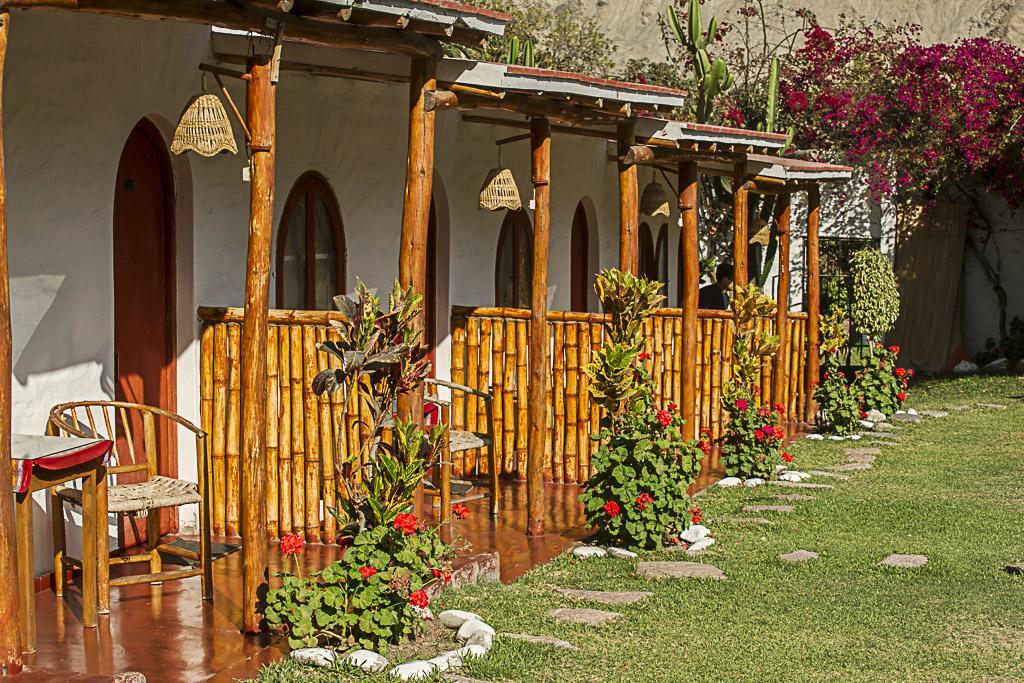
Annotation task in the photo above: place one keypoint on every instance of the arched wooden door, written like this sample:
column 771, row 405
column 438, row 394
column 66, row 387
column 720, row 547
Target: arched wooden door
column 580, row 265
column 514, row 269
column 144, row 299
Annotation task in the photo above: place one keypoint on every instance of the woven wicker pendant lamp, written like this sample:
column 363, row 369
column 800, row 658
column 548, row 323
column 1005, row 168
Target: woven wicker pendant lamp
column 763, row 234
column 204, row 127
column 500, row 190
column 653, row 201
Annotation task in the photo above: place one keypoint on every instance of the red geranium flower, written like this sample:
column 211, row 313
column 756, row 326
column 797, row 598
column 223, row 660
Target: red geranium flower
column 664, row 418
column 672, row 406
column 900, row 372
column 779, row 408
column 643, row 500
column 644, row 356
column 705, row 446
column 741, row 404
column 612, row 509
column 787, row 457
column 696, row 515
column 419, row 599
column 863, row 415
column 759, row 435
column 292, row 544
column 405, row 523
column 460, row 511
column 894, row 349
column 779, row 433
column 910, row 373
column 367, row 572
column 902, row 396
column 441, row 574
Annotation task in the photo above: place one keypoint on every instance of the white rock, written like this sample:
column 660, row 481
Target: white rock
column 900, row 412
column 867, row 424
column 789, row 476
column 753, row 481
column 471, row 651
column 876, row 415
column 412, row 671
column 702, row 544
column 730, row 481
column 621, row 553
column 586, row 551
column 780, row 469
column 367, row 660
column 695, row 533
column 484, row 640
column 314, row 656
column 854, row 437
column 815, row 437
column 999, row 365
column 965, row 367
column 911, row 411
column 447, row 660
column 836, row 438
column 472, row 626
column 454, row 618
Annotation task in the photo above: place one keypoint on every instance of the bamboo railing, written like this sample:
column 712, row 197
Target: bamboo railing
column 306, row 435
column 489, row 352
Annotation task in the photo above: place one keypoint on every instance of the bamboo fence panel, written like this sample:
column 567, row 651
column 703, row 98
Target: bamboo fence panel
column 312, row 441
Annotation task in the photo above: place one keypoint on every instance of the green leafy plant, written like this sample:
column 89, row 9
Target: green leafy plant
column 751, row 443
column 637, row 495
column 876, row 298
column 373, row 596
column 838, row 408
column 882, row 385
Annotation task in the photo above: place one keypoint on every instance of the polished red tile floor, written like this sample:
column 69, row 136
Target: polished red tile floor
column 169, row 634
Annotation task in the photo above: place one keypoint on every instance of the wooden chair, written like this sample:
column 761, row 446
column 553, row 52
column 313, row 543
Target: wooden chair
column 460, row 442
column 117, row 420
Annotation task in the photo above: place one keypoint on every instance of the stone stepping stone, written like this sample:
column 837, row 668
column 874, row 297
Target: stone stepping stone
column 853, row 467
column 540, row 640
column 860, row 458
column 959, row 407
column 933, row 413
column 799, row 556
column 994, row 406
column 679, row 570
column 794, row 496
column 740, row 520
column 830, row 475
column 800, row 485
column 907, row 561
column 1016, row 569
column 862, row 451
column 882, row 437
column 605, row 597
column 768, row 508
column 906, row 417
column 583, row 615
column 884, row 428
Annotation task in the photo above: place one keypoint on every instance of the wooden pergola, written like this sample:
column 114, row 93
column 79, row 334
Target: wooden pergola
column 411, row 28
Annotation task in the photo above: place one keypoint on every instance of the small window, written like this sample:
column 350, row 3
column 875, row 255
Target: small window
column 514, row 270
column 310, row 247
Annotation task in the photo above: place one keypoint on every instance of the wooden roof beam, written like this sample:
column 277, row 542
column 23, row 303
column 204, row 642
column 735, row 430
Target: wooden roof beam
column 440, row 100
column 646, row 154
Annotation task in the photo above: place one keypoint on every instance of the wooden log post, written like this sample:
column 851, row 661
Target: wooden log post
column 629, row 203
column 780, row 376
column 741, row 212
column 688, row 209
column 540, row 146
column 419, row 178
column 260, row 118
column 812, row 370
column 10, row 638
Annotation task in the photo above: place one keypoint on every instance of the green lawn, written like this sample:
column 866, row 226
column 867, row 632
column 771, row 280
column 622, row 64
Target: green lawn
column 951, row 489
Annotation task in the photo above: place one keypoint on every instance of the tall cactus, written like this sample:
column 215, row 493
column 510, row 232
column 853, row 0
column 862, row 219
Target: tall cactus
column 520, row 52
column 712, row 77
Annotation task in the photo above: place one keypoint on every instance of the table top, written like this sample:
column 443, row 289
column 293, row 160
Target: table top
column 37, row 446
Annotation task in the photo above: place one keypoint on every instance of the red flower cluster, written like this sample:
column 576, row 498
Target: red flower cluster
column 741, row 404
column 902, row 396
column 664, row 418
column 441, row 574
column 643, row 500
column 612, row 509
column 405, row 523
column 292, row 544
column 644, row 356
column 696, row 515
column 367, row 572
column 460, row 511
column 787, row 457
column 769, row 433
column 419, row 599
column 735, row 117
column 671, row 406
column 779, row 408
column 705, row 441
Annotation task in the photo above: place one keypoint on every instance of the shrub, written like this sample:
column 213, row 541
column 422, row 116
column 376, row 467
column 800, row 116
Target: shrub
column 751, row 444
column 883, row 385
column 838, row 408
column 876, row 299
column 372, row 596
column 637, row 495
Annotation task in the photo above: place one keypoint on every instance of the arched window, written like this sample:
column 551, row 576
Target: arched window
column 310, row 247
column 654, row 254
column 580, row 266
column 514, row 269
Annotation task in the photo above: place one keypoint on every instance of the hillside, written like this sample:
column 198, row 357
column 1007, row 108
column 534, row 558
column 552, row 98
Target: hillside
column 633, row 24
